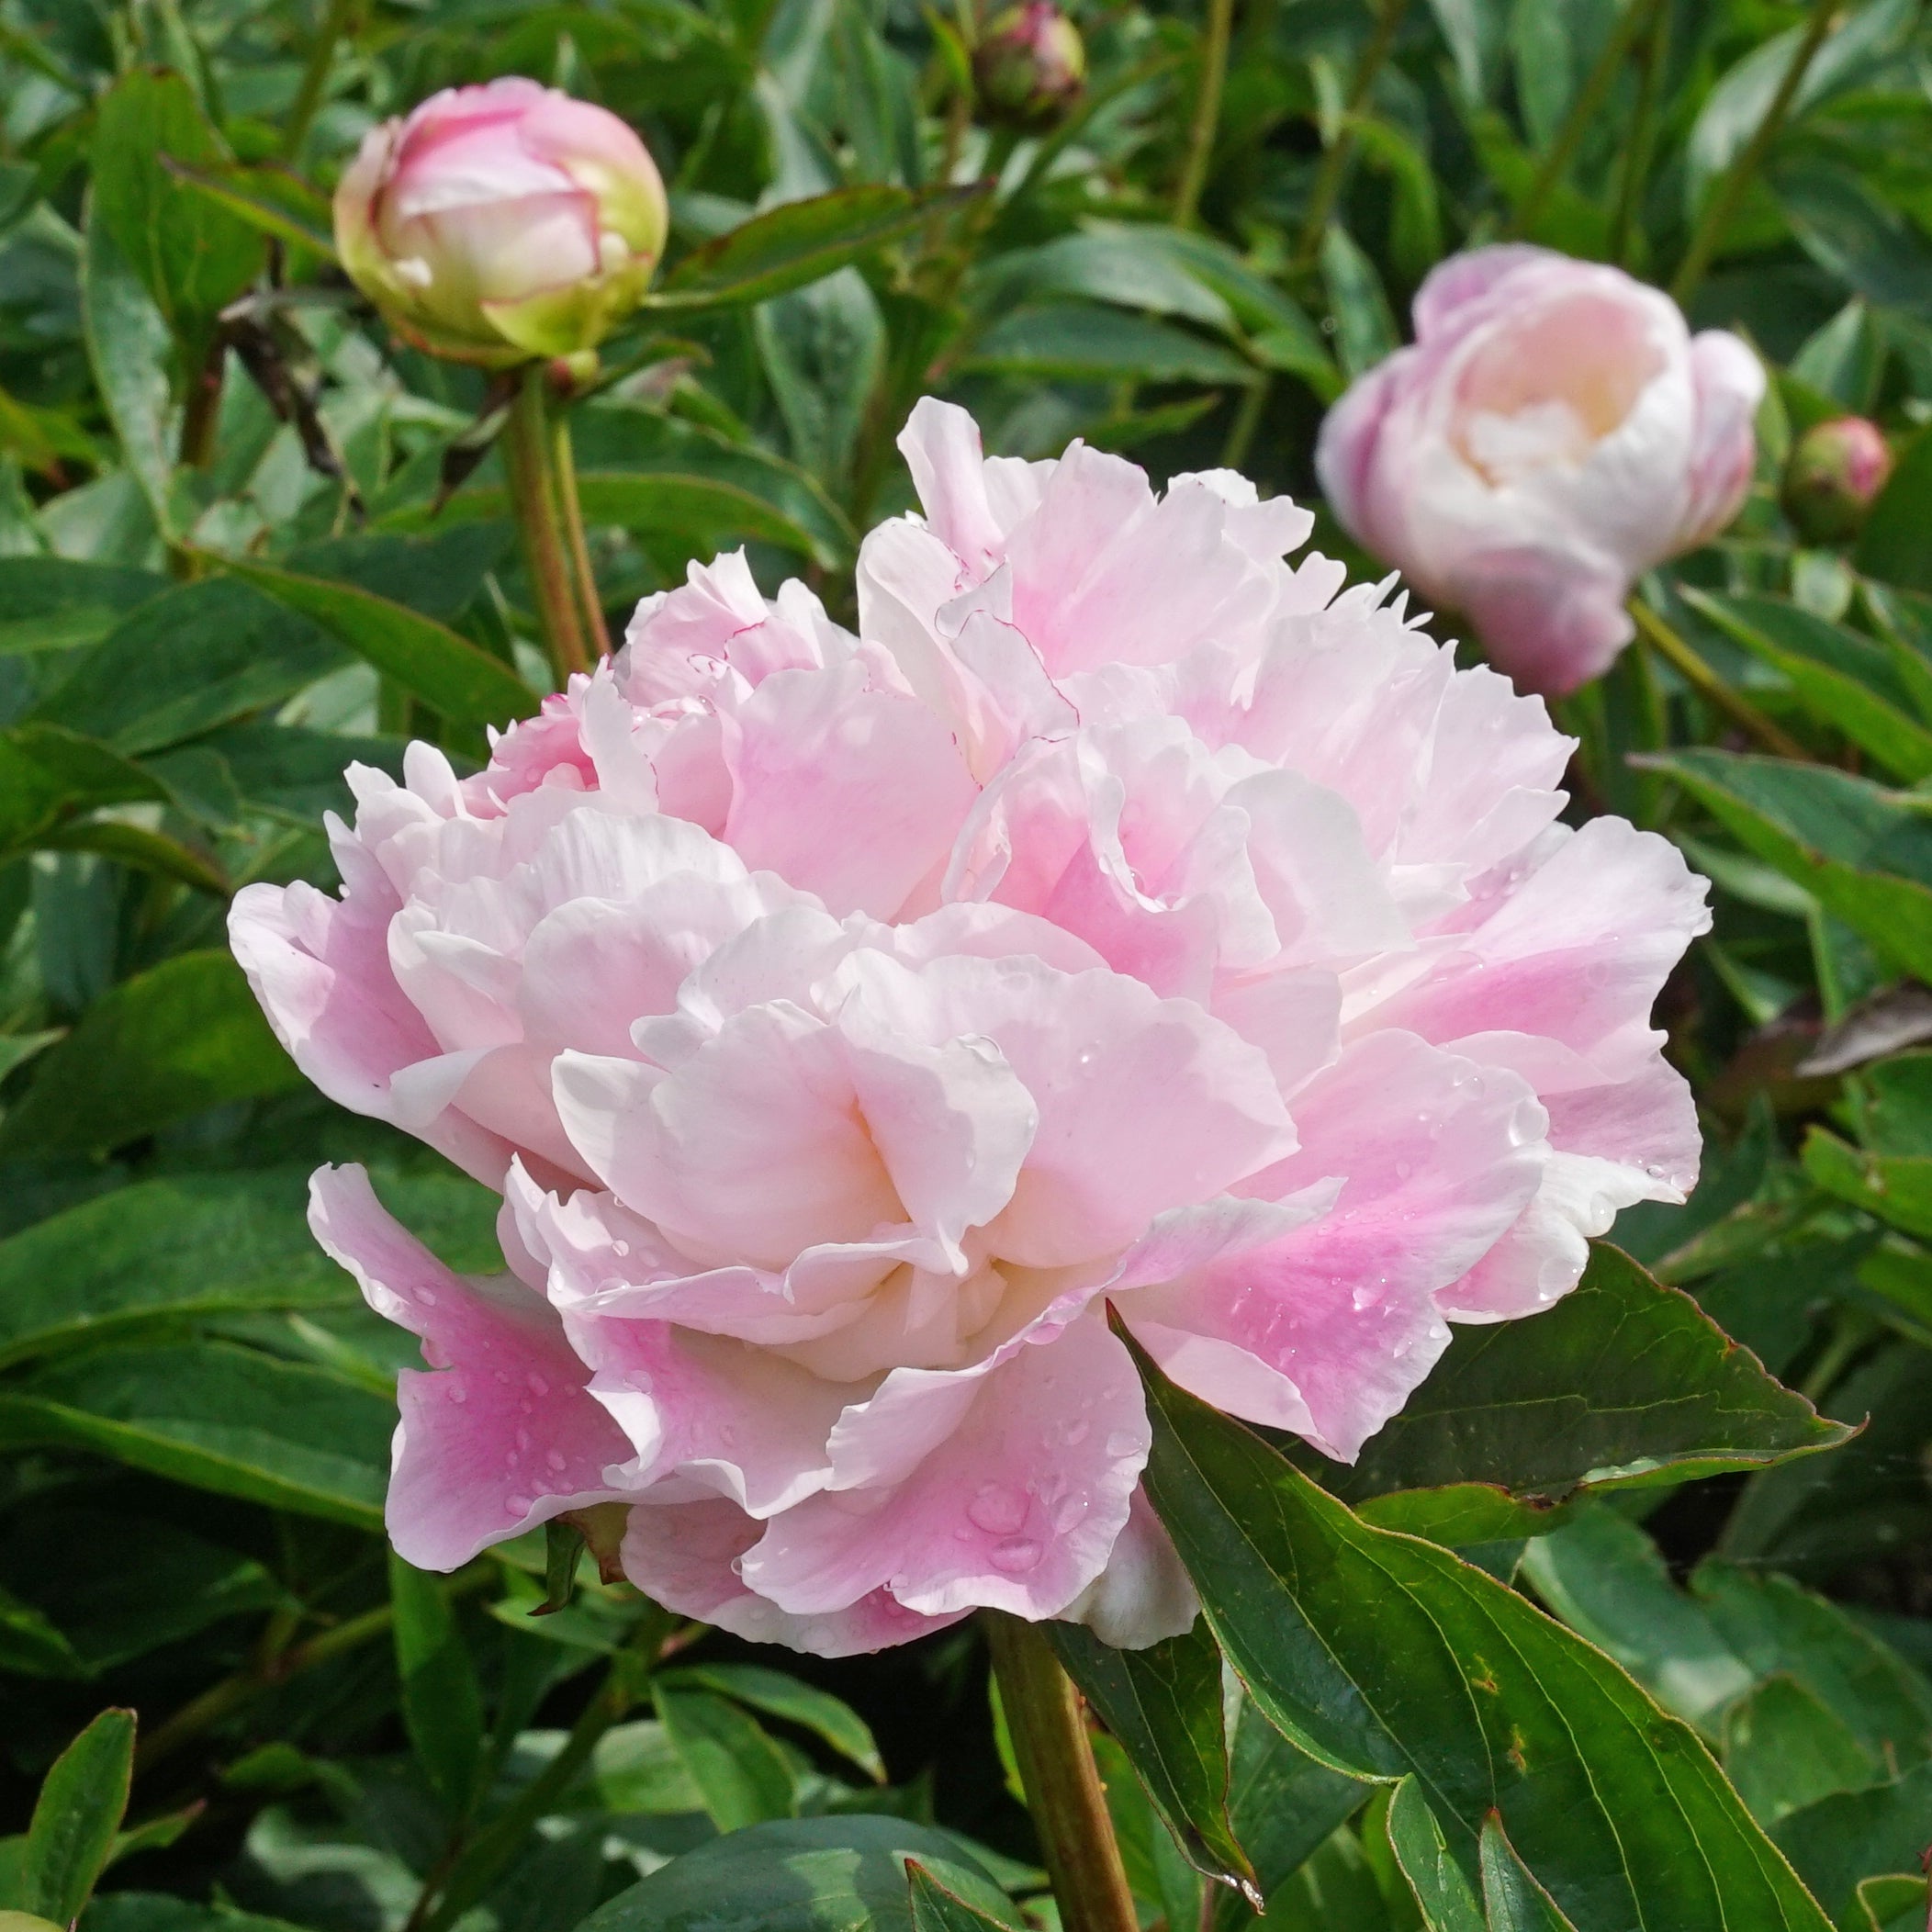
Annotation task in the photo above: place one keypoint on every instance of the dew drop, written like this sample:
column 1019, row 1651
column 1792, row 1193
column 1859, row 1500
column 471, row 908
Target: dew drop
column 1066, row 1513
column 997, row 1509
column 555, row 1457
column 1014, row 1554
column 516, row 1505
column 538, row 1387
column 427, row 1297
column 456, row 1391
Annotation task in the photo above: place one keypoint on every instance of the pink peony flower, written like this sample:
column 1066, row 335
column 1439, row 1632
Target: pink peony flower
column 1553, row 432
column 504, row 222
column 1123, row 918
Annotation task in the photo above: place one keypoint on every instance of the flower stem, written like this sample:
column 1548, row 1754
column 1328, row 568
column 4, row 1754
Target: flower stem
column 1639, row 139
column 1063, row 1790
column 1207, row 112
column 1730, row 189
column 336, row 22
column 1709, row 686
column 1584, row 109
column 564, row 466
column 1334, row 158
column 528, row 457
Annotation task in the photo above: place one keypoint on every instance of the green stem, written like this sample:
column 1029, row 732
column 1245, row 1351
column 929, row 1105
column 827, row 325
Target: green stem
column 1334, row 158
column 336, row 22
column 201, row 411
column 1207, row 112
column 1584, row 109
column 1063, row 1789
column 1247, row 419
column 565, row 466
column 1710, row 686
column 1640, row 138
column 528, row 458
column 1730, row 189
column 469, row 1870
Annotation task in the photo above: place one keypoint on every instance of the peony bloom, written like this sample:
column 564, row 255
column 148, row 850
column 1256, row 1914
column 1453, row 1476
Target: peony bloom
column 1553, row 432
column 501, row 223
column 1122, row 918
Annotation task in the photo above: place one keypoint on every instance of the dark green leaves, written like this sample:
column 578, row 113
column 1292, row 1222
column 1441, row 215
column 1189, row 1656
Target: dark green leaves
column 1623, row 1383
column 1386, row 1655
column 183, row 1036
column 798, row 243
column 76, row 1817
column 50, row 776
column 193, row 255
column 1863, row 852
column 1164, row 1706
column 442, row 1705
column 48, row 604
column 445, row 670
column 801, row 1875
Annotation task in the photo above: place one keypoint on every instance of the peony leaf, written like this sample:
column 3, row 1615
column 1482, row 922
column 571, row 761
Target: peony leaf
column 777, row 1695
column 731, row 1757
column 1512, row 1899
column 1839, row 1840
column 53, row 603
column 217, row 1417
column 1163, row 1704
column 50, row 776
column 938, row 1908
column 171, row 1042
column 448, row 672
column 1863, row 850
column 442, row 1705
column 1441, row 1887
column 1083, row 342
column 1874, row 693
column 1383, row 1656
column 76, row 1816
column 802, row 1875
column 1622, row 1384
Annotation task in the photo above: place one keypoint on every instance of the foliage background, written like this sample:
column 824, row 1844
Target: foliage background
column 223, row 573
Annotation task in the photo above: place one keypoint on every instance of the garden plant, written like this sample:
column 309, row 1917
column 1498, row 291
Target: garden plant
column 965, row 966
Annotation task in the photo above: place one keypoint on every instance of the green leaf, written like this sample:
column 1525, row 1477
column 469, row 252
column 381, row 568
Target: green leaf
column 824, row 348
column 1842, row 1838
column 1122, row 264
column 117, row 1586
column 938, row 1908
column 1622, row 1384
column 33, row 1644
column 1512, row 1899
column 1870, row 691
column 798, row 243
column 731, row 1758
column 52, row 603
column 1853, row 234
column 1455, row 1677
column 275, row 201
column 1894, row 1901
column 193, row 255
column 442, row 1705
column 835, row 1874
column 130, row 349
column 1365, row 332
column 1163, row 1703
column 1784, row 1749
column 1863, row 852
column 446, row 671
column 1892, row 546
column 198, row 656
column 1895, row 1187
column 1084, row 342
column 777, row 1695
column 217, row 1417
column 181, row 1246
column 1441, row 1887
column 1605, row 1578
column 437, row 576
column 171, row 1042
column 49, row 776
column 76, row 1816
column 145, row 851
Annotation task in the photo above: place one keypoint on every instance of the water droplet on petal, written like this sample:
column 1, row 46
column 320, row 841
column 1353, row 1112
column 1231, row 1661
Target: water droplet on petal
column 538, row 1387
column 1014, row 1554
column 516, row 1505
column 997, row 1509
column 555, row 1457
column 454, row 1390
column 1121, row 1443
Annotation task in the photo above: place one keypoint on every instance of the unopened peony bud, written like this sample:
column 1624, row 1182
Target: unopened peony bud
column 499, row 224
column 1554, row 431
column 1029, row 67
column 1836, row 471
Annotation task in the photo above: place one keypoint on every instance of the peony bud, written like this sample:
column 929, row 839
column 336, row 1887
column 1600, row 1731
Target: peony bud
column 1029, row 67
column 503, row 223
column 1554, row 431
column 1835, row 471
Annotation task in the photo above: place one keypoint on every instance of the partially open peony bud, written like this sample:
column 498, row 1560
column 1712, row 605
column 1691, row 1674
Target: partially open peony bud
column 499, row 224
column 1029, row 67
column 1124, row 918
column 1554, row 431
column 1835, row 471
